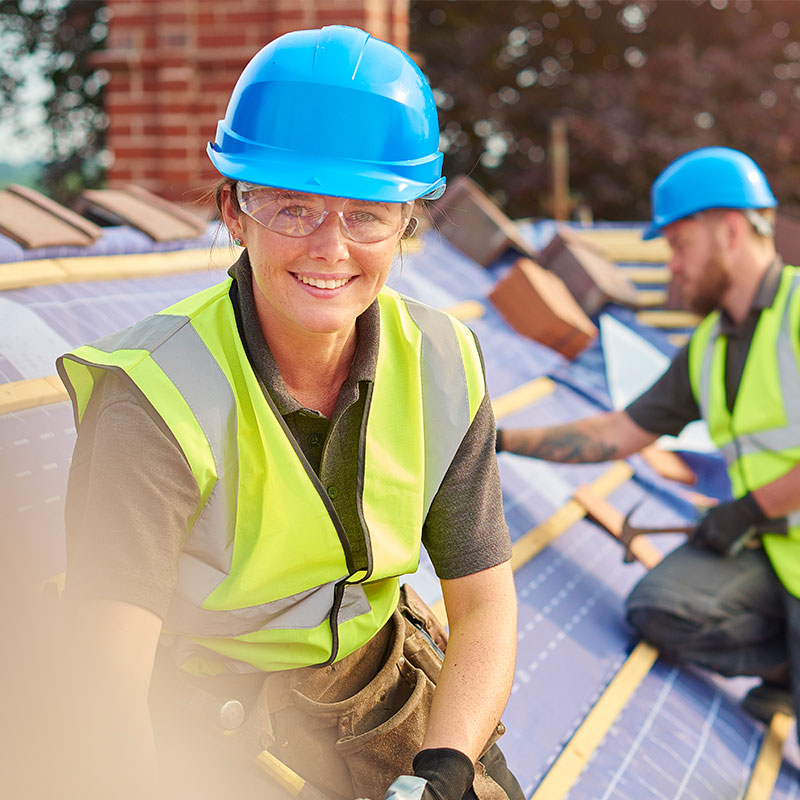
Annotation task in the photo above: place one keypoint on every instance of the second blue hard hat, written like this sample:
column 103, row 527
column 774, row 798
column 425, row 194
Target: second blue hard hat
column 711, row 177
column 336, row 112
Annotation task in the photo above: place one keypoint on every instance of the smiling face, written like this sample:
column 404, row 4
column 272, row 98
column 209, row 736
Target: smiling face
column 315, row 284
column 698, row 262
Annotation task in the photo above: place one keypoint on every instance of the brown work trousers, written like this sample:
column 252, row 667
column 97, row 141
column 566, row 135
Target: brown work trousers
column 351, row 728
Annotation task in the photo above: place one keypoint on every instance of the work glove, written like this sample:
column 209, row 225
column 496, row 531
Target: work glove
column 439, row 774
column 723, row 528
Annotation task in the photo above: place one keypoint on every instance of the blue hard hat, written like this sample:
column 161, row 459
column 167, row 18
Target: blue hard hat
column 711, row 177
column 332, row 111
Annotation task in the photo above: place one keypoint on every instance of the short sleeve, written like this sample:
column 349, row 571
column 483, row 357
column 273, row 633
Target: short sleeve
column 465, row 530
column 130, row 496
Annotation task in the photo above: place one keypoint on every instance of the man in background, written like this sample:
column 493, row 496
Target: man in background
column 740, row 372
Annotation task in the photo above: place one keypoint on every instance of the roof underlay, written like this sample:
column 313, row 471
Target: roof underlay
column 660, row 731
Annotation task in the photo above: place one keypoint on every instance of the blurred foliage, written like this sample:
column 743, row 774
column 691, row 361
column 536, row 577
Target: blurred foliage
column 57, row 38
column 638, row 82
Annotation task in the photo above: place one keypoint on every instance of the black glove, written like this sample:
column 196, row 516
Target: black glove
column 498, row 442
column 449, row 773
column 723, row 525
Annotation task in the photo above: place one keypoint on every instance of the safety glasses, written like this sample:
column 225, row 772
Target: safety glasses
column 298, row 214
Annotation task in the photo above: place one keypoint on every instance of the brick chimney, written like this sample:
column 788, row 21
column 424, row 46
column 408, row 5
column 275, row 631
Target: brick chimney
column 173, row 64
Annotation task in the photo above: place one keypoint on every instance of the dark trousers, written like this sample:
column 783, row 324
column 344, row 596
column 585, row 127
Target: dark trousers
column 731, row 615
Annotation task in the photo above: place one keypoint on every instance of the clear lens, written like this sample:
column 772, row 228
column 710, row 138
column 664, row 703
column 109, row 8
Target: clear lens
column 299, row 214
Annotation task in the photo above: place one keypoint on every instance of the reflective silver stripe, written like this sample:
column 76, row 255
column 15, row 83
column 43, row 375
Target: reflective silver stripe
column 729, row 452
column 207, row 555
column 445, row 395
column 188, row 363
column 147, row 334
column 183, row 356
column 775, row 439
column 787, row 365
column 302, row 611
column 206, row 559
column 787, row 437
column 705, row 370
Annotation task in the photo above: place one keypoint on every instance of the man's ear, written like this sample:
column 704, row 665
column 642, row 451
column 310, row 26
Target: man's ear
column 733, row 228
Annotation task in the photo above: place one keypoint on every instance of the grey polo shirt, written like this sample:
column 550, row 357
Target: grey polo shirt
column 669, row 404
column 131, row 491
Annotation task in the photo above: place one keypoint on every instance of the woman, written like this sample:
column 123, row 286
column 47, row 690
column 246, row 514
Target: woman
column 257, row 464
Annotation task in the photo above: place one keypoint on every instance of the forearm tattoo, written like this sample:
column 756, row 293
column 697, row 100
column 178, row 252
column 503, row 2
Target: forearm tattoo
column 570, row 447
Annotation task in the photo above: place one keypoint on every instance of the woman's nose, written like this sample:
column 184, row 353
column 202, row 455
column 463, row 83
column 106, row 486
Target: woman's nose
column 329, row 242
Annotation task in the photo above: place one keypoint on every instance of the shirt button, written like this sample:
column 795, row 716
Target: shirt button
column 332, row 492
column 314, row 439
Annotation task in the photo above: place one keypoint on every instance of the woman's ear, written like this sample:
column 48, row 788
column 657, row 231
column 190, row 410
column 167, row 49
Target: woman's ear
column 411, row 228
column 230, row 211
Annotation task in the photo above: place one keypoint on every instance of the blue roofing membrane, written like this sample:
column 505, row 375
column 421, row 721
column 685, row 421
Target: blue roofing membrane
column 681, row 735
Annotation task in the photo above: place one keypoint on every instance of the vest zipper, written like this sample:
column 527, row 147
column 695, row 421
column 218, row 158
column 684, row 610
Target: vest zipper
column 338, row 595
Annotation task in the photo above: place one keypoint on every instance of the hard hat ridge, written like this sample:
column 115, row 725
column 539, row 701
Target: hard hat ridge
column 334, row 111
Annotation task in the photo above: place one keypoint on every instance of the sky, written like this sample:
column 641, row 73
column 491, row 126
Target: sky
column 19, row 148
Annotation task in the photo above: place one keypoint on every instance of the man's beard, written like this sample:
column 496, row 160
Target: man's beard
column 711, row 287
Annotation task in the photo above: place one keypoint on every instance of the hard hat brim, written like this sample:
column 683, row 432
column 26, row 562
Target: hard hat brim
column 652, row 231
column 361, row 181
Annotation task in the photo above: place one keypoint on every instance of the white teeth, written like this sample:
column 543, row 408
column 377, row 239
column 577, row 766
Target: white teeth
column 331, row 283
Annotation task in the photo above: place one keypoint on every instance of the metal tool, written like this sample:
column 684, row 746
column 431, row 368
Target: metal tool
column 777, row 526
column 629, row 531
column 406, row 787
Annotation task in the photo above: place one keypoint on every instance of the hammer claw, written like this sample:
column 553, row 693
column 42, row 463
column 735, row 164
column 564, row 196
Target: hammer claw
column 629, row 531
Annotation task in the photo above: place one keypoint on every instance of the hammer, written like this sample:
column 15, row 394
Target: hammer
column 629, row 531
column 778, row 526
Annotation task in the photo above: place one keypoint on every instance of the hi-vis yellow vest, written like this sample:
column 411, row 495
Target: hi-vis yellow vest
column 760, row 439
column 266, row 577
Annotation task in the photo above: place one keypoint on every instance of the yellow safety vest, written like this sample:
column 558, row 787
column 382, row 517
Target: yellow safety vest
column 265, row 577
column 760, row 438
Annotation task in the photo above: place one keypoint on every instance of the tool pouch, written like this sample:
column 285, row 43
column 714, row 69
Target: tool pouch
column 375, row 731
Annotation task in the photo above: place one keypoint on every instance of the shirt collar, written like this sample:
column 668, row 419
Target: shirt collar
column 763, row 298
column 364, row 361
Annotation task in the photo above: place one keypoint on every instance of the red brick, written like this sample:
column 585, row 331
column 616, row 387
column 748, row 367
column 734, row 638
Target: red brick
column 121, row 174
column 340, row 16
column 124, row 106
column 173, row 175
column 227, row 39
column 177, row 131
column 214, row 40
column 238, row 17
column 174, row 154
column 132, row 18
column 170, row 17
column 134, row 152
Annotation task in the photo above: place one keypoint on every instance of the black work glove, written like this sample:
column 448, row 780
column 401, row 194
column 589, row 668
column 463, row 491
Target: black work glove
column 449, row 773
column 723, row 525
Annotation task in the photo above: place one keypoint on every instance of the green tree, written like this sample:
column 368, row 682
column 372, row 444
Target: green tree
column 638, row 81
column 57, row 39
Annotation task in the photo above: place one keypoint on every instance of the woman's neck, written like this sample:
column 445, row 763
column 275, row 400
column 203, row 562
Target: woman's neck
column 313, row 365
